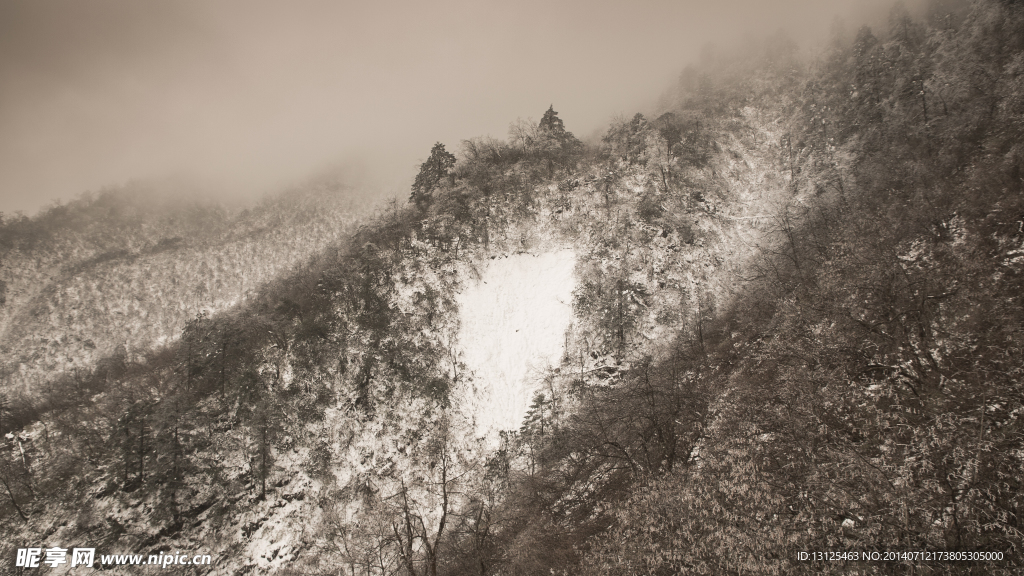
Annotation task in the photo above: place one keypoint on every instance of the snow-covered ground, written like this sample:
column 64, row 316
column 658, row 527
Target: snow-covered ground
column 513, row 323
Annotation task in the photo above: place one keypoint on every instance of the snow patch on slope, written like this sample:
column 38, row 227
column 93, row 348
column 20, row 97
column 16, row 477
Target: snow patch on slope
column 513, row 322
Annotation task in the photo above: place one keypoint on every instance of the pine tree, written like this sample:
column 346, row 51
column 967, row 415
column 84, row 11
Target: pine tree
column 432, row 173
column 554, row 142
column 551, row 123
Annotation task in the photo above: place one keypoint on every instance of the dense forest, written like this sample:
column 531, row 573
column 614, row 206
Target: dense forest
column 124, row 269
column 797, row 328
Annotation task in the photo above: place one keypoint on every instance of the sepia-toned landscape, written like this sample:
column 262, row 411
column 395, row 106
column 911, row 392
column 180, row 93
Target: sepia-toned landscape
column 768, row 322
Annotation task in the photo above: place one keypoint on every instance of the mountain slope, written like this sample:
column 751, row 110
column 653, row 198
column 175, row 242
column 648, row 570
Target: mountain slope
column 126, row 269
column 796, row 327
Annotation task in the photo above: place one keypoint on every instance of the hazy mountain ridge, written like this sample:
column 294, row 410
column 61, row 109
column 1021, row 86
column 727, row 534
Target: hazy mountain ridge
column 121, row 270
column 797, row 328
column 383, row 304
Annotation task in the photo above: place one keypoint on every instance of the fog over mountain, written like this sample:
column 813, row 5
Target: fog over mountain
column 663, row 289
column 246, row 97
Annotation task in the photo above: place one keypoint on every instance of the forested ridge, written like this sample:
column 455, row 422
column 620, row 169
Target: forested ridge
column 797, row 328
column 124, row 269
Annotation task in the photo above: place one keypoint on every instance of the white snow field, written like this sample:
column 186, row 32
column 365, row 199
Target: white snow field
column 513, row 323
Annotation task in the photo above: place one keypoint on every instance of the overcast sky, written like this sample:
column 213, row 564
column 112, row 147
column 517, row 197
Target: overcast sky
column 249, row 96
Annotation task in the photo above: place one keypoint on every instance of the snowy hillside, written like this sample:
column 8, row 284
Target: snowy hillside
column 780, row 314
column 512, row 331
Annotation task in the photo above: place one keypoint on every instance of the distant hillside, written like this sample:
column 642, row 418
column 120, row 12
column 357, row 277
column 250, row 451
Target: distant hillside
column 796, row 327
column 123, row 270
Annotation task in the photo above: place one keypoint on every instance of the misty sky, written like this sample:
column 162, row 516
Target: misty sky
column 249, row 96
